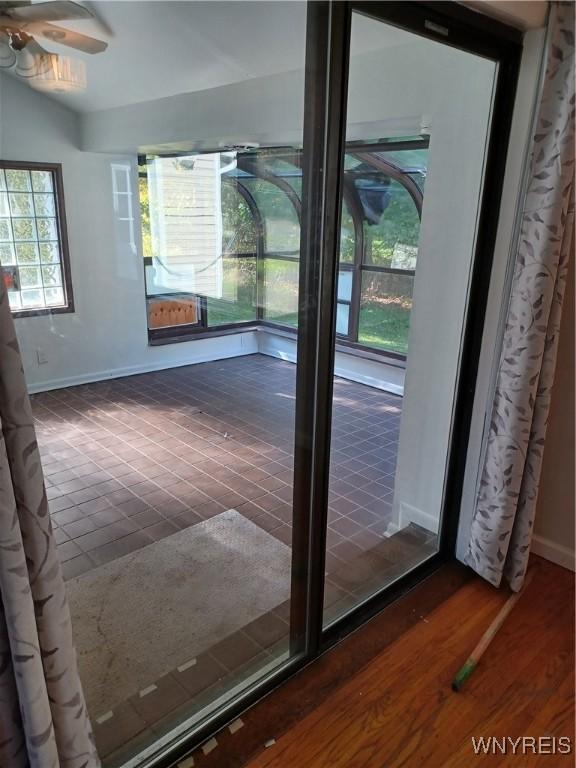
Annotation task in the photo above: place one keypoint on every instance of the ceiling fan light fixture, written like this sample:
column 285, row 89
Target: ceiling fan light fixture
column 59, row 74
column 28, row 65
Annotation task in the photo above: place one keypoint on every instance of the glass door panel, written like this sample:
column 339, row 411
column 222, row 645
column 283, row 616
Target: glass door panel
column 169, row 466
column 417, row 123
column 186, row 505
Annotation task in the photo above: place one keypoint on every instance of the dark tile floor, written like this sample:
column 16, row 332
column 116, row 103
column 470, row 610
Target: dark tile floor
column 130, row 461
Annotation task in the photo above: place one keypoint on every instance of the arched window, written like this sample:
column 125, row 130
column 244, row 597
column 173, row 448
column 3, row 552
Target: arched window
column 281, row 222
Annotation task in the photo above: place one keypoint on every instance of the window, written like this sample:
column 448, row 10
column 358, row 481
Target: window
column 221, row 237
column 238, row 300
column 33, row 247
column 383, row 193
column 281, row 291
column 281, row 224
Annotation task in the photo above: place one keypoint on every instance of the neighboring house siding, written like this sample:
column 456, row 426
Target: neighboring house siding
column 186, row 223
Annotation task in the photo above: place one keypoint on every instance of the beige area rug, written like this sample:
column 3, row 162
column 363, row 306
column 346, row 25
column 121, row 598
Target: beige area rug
column 138, row 617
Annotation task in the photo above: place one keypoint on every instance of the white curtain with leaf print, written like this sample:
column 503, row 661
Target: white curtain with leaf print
column 503, row 520
column 44, row 722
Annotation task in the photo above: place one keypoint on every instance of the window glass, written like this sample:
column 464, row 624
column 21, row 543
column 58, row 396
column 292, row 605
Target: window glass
column 419, row 179
column 409, row 160
column 391, row 224
column 202, row 212
column 238, row 302
column 281, row 225
column 30, row 246
column 283, row 169
column 183, row 208
column 347, row 235
column 144, row 212
column 345, row 285
column 342, row 314
column 281, row 291
column 172, row 311
column 239, row 232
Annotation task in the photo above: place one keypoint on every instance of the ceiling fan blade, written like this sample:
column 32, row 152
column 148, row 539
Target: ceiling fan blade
column 59, row 10
column 66, row 37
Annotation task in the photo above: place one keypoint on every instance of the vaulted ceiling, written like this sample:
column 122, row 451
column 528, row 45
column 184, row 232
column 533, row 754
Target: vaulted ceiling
column 163, row 48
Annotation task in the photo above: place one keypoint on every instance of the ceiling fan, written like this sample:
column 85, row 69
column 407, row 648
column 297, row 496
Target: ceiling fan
column 20, row 25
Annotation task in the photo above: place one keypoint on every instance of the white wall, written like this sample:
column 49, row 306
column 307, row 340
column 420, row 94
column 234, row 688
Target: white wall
column 450, row 92
column 106, row 335
column 394, row 91
column 265, row 110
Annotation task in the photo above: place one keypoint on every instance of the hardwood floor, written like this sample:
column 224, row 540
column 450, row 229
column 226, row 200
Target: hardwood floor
column 399, row 709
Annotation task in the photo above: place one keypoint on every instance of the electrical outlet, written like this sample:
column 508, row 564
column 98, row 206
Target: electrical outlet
column 41, row 356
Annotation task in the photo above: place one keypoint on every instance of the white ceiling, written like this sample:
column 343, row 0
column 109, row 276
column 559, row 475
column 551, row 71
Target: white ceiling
column 158, row 49
column 163, row 48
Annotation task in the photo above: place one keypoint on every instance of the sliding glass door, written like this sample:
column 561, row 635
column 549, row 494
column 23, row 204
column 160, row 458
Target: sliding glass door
column 254, row 414
column 363, row 255
column 417, row 124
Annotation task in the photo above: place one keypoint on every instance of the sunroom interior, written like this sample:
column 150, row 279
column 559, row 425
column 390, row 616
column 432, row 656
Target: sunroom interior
column 151, row 228
column 248, row 275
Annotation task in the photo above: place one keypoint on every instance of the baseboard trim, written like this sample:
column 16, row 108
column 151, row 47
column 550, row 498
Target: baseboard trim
column 408, row 514
column 133, row 370
column 555, row 553
column 342, row 373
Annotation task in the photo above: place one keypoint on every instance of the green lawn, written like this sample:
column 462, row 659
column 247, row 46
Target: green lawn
column 290, row 319
column 383, row 322
column 384, row 326
column 239, row 280
column 381, row 326
column 221, row 311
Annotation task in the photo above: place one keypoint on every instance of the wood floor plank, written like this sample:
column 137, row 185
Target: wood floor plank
column 383, row 700
column 557, row 717
column 518, row 678
column 399, row 711
column 527, row 689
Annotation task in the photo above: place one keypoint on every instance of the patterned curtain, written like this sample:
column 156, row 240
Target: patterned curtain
column 503, row 520
column 43, row 717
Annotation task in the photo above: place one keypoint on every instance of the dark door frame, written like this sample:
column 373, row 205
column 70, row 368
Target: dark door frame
column 327, row 52
column 317, row 321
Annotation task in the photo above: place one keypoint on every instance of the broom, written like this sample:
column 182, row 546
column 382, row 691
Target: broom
column 472, row 661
